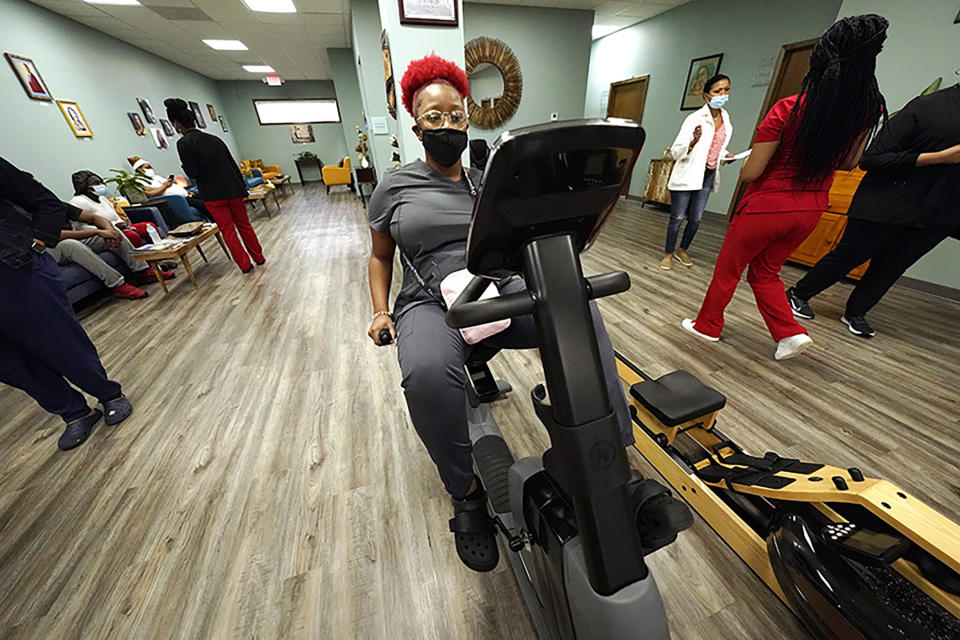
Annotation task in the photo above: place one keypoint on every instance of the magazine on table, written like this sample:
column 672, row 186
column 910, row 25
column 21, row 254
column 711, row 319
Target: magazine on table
column 167, row 243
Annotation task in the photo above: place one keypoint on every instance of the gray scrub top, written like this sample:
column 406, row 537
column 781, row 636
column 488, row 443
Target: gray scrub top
column 428, row 216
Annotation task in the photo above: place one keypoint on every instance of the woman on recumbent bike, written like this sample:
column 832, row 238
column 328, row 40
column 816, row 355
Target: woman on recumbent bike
column 424, row 209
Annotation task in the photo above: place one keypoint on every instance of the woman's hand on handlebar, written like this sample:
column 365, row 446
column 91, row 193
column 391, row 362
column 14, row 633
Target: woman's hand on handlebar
column 379, row 324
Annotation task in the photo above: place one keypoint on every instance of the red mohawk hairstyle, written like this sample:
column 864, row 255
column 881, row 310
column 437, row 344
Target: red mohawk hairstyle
column 426, row 71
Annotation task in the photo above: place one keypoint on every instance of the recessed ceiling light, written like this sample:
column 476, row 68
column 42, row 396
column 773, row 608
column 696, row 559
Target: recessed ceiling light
column 271, row 6
column 129, row 3
column 226, row 45
column 258, row 68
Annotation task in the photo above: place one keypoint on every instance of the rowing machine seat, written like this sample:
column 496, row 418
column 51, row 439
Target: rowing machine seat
column 677, row 397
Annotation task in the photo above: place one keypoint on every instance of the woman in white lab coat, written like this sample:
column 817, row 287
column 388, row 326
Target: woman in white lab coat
column 698, row 150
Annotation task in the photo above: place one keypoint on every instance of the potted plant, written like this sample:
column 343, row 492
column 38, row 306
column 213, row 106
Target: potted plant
column 130, row 185
column 306, row 155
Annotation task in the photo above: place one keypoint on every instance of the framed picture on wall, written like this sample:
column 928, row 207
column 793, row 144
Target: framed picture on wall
column 223, row 124
column 199, row 114
column 29, row 76
column 701, row 69
column 213, row 114
column 167, row 127
column 147, row 110
column 431, row 12
column 137, row 123
column 158, row 138
column 78, row 124
column 301, row 133
column 388, row 75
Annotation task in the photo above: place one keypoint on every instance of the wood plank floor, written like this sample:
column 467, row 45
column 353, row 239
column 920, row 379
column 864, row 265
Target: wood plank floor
column 269, row 483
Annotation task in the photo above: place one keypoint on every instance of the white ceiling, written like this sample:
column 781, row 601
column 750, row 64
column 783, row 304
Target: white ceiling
column 294, row 44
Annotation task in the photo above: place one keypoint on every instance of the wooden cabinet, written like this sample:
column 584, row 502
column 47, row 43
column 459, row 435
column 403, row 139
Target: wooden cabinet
column 832, row 223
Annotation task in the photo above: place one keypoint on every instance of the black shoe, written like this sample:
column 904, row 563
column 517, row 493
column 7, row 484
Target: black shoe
column 261, row 263
column 799, row 306
column 858, row 326
column 247, row 270
column 474, row 532
column 116, row 411
column 78, row 431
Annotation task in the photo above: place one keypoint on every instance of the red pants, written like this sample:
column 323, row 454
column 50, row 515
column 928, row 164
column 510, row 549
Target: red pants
column 137, row 233
column 762, row 241
column 231, row 216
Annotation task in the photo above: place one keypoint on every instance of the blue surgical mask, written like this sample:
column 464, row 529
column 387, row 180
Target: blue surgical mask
column 99, row 189
column 718, row 101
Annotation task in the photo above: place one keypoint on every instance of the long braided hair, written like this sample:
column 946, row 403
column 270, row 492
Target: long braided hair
column 839, row 97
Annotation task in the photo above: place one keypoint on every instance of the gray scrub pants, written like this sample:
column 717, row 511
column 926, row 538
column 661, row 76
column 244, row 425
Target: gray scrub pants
column 84, row 253
column 432, row 357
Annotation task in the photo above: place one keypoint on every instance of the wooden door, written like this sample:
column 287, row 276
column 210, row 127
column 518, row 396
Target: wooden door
column 792, row 64
column 626, row 100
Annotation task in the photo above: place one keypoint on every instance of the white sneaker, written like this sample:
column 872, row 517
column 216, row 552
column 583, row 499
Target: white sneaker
column 792, row 346
column 688, row 325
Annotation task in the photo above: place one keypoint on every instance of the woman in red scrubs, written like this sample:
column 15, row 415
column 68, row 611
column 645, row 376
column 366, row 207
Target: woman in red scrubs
column 799, row 145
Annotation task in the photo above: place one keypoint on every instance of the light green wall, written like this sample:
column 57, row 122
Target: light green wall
column 365, row 21
column 105, row 76
column 344, row 73
column 922, row 44
column 553, row 47
column 271, row 143
column 745, row 31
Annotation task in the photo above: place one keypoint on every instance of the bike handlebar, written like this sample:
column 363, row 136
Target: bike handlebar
column 469, row 311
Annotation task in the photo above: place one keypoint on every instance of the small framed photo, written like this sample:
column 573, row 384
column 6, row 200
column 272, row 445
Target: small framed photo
column 701, row 70
column 158, row 138
column 213, row 114
column 223, row 124
column 301, row 133
column 147, row 110
column 199, row 114
column 430, row 12
column 71, row 111
column 167, row 127
column 137, row 123
column 29, row 76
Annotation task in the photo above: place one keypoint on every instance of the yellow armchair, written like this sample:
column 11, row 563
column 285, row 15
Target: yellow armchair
column 340, row 174
column 269, row 172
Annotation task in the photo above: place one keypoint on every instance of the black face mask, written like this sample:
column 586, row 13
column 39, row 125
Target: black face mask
column 444, row 145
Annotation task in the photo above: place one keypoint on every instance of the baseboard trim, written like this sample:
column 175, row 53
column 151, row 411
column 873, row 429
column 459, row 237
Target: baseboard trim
column 940, row 290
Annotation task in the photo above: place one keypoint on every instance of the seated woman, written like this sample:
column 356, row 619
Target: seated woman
column 165, row 187
column 91, row 196
column 83, row 239
column 424, row 209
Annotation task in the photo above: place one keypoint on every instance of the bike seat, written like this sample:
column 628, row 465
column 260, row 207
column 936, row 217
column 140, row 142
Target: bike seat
column 677, row 397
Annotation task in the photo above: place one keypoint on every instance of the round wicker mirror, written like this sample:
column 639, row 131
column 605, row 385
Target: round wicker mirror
column 487, row 58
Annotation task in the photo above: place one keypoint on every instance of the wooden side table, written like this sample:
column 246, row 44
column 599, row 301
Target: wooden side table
column 308, row 163
column 658, row 176
column 178, row 250
column 364, row 176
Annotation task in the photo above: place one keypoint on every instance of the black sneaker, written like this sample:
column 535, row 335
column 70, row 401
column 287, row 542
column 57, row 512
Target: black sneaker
column 799, row 306
column 858, row 326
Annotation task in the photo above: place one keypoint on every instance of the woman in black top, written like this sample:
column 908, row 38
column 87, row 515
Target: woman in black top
column 908, row 202
column 206, row 159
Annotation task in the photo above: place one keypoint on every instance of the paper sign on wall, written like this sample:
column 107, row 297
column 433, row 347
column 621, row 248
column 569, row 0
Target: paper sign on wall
column 379, row 125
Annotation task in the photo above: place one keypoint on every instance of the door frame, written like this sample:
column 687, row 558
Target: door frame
column 779, row 68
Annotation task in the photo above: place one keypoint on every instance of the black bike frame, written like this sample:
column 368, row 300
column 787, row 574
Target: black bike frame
column 587, row 457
